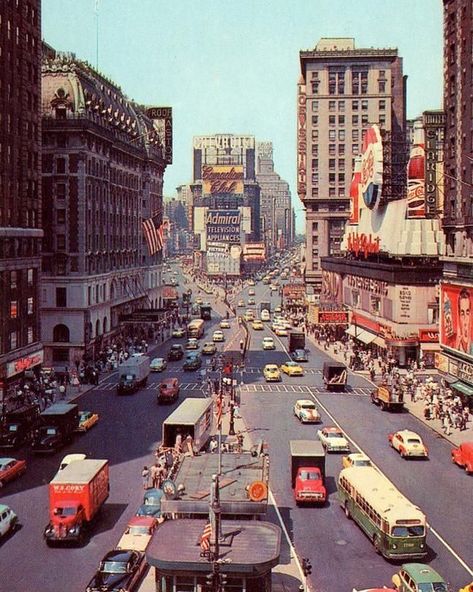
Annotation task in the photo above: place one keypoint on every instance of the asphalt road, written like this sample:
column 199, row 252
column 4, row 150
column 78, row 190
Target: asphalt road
column 342, row 557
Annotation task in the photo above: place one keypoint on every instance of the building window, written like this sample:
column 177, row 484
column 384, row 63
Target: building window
column 341, row 149
column 331, row 191
column 341, row 120
column 354, row 148
column 60, row 190
column 381, row 86
column 61, row 334
column 13, row 339
column 61, row 242
column 354, row 119
column 331, row 120
column 332, row 134
column 315, row 178
column 30, row 305
column 315, row 87
column 375, row 305
column 13, row 309
column 341, row 163
column 13, row 280
column 355, row 299
column 355, row 134
column 331, row 164
column 315, row 105
column 315, row 164
column 315, row 120
column 61, row 216
column 364, row 119
column 341, row 105
column 61, row 297
column 332, row 105
column 382, row 120
column 60, row 354
column 364, row 105
column 341, row 135
column 30, row 277
column 331, row 178
column 341, row 192
column 60, row 165
column 315, row 75
column 382, row 105
column 30, row 335
column 341, row 177
column 315, row 149
column 332, row 149
column 354, row 105
column 315, row 191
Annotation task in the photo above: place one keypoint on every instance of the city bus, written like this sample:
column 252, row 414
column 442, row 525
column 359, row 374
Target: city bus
column 195, row 328
column 395, row 526
column 206, row 312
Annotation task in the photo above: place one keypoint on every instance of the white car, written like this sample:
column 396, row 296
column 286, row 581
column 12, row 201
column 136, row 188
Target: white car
column 306, row 411
column 224, row 324
column 333, row 440
column 218, row 336
column 158, row 365
column 8, row 520
column 268, row 343
column 408, row 444
column 69, row 458
column 265, row 315
column 251, row 292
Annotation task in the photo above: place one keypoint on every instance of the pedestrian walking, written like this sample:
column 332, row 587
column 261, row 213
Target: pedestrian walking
column 145, row 477
column 154, row 474
column 446, row 425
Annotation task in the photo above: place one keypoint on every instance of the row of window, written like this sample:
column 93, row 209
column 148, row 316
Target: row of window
column 14, row 306
column 336, row 86
column 332, row 192
column 14, row 338
column 355, row 105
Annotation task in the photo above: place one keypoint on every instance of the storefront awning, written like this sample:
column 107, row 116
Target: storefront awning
column 430, row 346
column 365, row 336
column 379, row 341
column 463, row 388
column 351, row 330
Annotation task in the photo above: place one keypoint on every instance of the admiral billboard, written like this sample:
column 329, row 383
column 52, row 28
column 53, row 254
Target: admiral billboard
column 223, row 225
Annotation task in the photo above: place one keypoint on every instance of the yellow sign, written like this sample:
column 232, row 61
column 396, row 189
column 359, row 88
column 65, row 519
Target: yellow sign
column 222, row 179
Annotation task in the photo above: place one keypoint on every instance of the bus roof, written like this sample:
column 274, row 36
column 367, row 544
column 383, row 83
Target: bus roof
column 196, row 322
column 381, row 494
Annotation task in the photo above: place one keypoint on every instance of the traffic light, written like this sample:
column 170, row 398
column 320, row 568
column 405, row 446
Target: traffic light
column 306, row 566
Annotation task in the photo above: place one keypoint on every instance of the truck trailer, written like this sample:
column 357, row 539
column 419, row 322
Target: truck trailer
column 193, row 417
column 133, row 374
column 76, row 494
column 57, row 425
column 335, row 376
column 308, row 471
column 296, row 340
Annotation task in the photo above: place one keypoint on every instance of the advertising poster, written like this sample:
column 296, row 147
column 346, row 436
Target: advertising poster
column 223, row 225
column 222, row 179
column 456, row 318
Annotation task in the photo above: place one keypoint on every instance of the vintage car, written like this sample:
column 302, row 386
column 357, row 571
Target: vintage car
column 299, row 355
column 306, row 411
column 356, row 459
column 11, row 468
column 192, row 362
column 151, row 505
column 333, row 439
column 280, row 330
column 120, row 569
column 8, row 520
column 418, row 577
column 257, row 325
column 218, row 336
column 179, row 332
column 463, row 456
column 292, row 369
column 138, row 533
column 158, row 365
column 271, row 373
column 251, row 292
column 209, row 348
column 192, row 343
column 408, row 444
column 176, row 352
column 224, row 324
column 268, row 343
column 87, row 420
column 168, row 390
column 241, row 304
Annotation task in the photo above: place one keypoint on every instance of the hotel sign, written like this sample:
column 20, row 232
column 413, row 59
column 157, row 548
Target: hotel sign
column 301, row 142
column 162, row 122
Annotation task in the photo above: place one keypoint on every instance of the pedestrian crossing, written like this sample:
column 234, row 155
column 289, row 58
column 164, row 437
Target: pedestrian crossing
column 299, row 389
column 254, row 370
column 185, row 386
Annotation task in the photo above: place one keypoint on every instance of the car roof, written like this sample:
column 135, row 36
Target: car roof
column 141, row 521
column 5, row 460
column 408, row 433
column 305, row 402
column 157, row 360
column 358, row 456
column 422, row 573
column 271, row 366
column 118, row 555
column 332, row 429
column 268, row 339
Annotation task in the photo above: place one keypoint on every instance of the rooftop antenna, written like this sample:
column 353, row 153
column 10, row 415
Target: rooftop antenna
column 96, row 34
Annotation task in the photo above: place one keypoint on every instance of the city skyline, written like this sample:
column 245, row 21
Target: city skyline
column 212, row 68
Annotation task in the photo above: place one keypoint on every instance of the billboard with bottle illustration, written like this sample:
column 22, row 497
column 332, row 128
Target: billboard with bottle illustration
column 456, row 318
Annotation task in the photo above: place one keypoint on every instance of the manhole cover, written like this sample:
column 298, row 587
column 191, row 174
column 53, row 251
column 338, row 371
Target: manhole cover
column 341, row 542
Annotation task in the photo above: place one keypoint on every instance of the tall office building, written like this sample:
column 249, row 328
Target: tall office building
column 277, row 228
column 20, row 192
column 341, row 92
column 456, row 294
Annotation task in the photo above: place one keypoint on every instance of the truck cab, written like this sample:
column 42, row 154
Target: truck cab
column 309, row 486
column 387, row 398
column 56, row 429
column 127, row 384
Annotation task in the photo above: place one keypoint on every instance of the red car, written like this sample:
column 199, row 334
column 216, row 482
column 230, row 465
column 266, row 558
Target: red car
column 463, row 456
column 168, row 390
column 10, row 468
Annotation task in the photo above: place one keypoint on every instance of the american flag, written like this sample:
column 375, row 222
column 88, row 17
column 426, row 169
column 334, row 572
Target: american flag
column 205, row 537
column 153, row 231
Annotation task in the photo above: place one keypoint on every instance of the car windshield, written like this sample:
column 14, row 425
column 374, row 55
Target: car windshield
column 407, row 531
column 114, row 567
column 138, row 530
column 362, row 463
column 334, row 435
column 153, row 501
column 67, row 511
column 310, row 476
column 308, row 406
column 271, row 368
column 413, row 441
column 433, row 587
column 51, row 431
column 84, row 416
column 13, row 427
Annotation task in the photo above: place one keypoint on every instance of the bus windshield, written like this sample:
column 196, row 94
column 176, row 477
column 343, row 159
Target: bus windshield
column 407, row 531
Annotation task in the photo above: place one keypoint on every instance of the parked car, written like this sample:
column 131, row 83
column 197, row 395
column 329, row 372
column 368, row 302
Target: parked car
column 168, row 390
column 11, row 468
column 408, row 444
column 268, row 343
column 179, row 332
column 118, row 571
column 8, row 520
column 192, row 362
column 333, row 439
column 87, row 420
column 463, row 456
column 418, row 577
column 218, row 336
column 292, row 369
column 138, row 533
column 151, row 505
column 209, row 348
column 306, row 411
column 158, row 365
column 176, row 352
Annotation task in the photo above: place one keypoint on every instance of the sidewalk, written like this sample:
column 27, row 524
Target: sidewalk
column 456, row 438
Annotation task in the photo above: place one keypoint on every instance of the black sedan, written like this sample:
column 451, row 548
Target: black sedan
column 192, row 362
column 119, row 570
column 299, row 355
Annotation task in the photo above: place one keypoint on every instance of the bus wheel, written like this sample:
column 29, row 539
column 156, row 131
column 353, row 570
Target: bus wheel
column 347, row 511
column 383, row 406
column 377, row 544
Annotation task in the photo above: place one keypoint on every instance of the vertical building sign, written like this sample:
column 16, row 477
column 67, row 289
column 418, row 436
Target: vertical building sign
column 162, row 121
column 301, row 141
column 416, row 177
column 433, row 125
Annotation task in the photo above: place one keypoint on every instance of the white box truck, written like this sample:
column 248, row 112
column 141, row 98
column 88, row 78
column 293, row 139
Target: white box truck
column 133, row 374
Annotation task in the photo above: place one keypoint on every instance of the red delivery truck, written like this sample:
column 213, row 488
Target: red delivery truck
column 76, row 494
column 308, row 471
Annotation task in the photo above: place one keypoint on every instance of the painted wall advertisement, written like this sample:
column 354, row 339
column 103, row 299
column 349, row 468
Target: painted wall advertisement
column 222, row 179
column 456, row 318
column 223, row 225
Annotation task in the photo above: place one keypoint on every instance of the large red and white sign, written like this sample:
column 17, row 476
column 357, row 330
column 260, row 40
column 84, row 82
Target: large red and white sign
column 25, row 363
column 456, row 318
column 355, row 193
column 372, row 167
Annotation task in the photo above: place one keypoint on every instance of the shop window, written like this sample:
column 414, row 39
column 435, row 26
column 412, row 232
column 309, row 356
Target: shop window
column 375, row 305
column 355, row 299
column 14, row 309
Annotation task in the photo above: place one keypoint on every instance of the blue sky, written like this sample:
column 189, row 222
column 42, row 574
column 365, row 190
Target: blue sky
column 232, row 66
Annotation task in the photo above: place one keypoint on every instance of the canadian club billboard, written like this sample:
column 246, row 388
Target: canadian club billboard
column 218, row 179
column 223, row 225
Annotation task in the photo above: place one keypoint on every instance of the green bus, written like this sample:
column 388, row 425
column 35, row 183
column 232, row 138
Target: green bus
column 394, row 525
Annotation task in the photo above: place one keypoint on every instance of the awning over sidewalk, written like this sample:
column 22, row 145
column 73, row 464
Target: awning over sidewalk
column 430, row 346
column 365, row 336
column 351, row 330
column 463, row 388
column 379, row 341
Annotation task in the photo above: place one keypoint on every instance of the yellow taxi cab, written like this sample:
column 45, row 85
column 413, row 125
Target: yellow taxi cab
column 257, row 325
column 271, row 373
column 87, row 419
column 467, row 588
column 356, row 459
column 292, row 369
